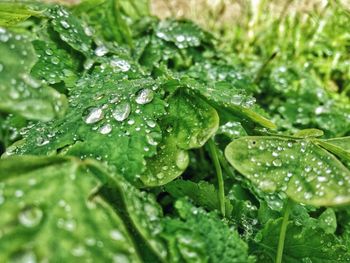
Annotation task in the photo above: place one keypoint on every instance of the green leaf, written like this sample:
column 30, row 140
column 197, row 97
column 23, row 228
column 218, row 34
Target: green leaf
column 49, row 213
column 106, row 20
column 110, row 119
column 20, row 93
column 135, row 9
column 306, row 172
column 183, row 34
column 70, row 29
column 309, row 133
column 202, row 194
column 54, row 64
column 189, row 123
column 143, row 216
column 302, row 244
column 12, row 13
column 233, row 100
column 338, row 146
column 328, row 221
column 198, row 236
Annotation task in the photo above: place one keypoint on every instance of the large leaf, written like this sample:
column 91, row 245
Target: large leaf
column 20, row 93
column 48, row 212
column 110, row 119
column 306, row 172
column 189, row 123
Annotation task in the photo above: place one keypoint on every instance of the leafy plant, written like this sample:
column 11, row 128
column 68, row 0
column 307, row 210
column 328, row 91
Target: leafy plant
column 129, row 139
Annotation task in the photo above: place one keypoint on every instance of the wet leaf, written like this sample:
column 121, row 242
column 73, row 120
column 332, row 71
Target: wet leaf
column 49, row 213
column 302, row 244
column 306, row 172
column 12, row 13
column 202, row 194
column 197, row 236
column 104, row 112
column 189, row 123
column 20, row 93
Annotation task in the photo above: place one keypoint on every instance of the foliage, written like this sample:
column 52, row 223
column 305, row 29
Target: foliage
column 129, row 139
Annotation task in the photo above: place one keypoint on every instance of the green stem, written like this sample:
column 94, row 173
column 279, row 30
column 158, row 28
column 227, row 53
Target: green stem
column 215, row 158
column 283, row 233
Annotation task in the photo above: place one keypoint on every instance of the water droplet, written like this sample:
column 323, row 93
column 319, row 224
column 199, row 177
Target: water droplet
column 116, row 235
column 145, row 96
column 23, row 257
column 120, row 258
column 237, row 99
column 123, row 65
column 105, row 129
column 101, row 51
column 182, row 160
column 55, row 60
column 93, row 115
column 65, row 24
column 121, row 111
column 151, row 123
column 78, row 251
column 30, row 216
column 277, row 162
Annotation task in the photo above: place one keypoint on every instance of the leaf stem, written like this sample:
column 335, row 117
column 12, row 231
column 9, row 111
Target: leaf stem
column 283, row 233
column 215, row 158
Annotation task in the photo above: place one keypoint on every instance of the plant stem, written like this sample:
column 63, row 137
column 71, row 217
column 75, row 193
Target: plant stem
column 283, row 231
column 215, row 158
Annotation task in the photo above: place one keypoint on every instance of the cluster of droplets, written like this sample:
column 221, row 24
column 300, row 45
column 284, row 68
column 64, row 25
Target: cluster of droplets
column 118, row 109
column 315, row 172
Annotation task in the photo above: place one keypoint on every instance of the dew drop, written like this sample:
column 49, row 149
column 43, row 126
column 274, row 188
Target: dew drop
column 277, row 162
column 115, row 234
column 121, row 111
column 101, row 51
column 145, row 96
column 106, row 129
column 65, row 24
column 93, row 115
column 120, row 64
column 30, row 216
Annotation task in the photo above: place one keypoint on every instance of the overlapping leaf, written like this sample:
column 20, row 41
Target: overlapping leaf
column 189, row 123
column 20, row 93
column 48, row 212
column 109, row 119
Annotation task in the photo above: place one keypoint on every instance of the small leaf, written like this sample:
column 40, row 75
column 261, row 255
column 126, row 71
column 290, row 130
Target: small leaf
column 12, row 13
column 306, row 172
column 202, row 194
column 309, row 133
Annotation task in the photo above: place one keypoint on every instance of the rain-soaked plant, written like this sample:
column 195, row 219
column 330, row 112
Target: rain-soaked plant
column 129, row 139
